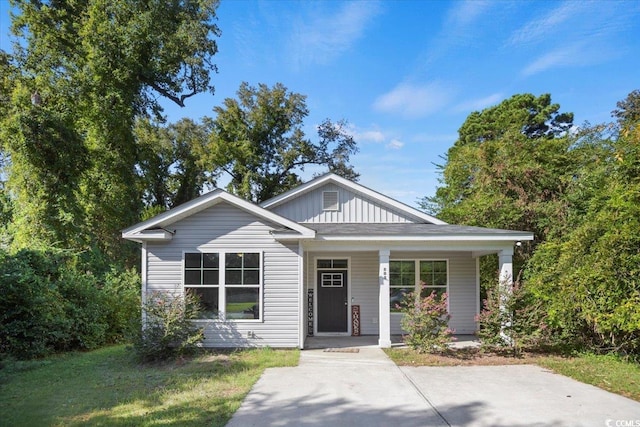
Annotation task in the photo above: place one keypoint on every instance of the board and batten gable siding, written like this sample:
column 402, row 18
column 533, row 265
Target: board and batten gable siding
column 364, row 286
column 224, row 227
column 353, row 207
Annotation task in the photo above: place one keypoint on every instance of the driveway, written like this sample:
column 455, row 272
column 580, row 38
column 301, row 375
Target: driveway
column 343, row 387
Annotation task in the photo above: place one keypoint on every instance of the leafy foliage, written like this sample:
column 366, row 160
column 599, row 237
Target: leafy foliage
column 425, row 319
column 258, row 140
column 79, row 76
column 520, row 166
column 171, row 165
column 512, row 318
column 167, row 330
column 49, row 304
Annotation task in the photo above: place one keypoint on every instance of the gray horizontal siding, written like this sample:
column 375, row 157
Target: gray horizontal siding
column 353, row 208
column 226, row 228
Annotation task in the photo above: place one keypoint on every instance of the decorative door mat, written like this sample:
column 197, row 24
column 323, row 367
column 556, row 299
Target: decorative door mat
column 342, row 350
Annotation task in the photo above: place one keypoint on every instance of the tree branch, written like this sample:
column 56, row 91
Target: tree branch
column 167, row 94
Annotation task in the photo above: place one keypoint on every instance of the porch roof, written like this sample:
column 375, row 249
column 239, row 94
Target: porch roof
column 412, row 231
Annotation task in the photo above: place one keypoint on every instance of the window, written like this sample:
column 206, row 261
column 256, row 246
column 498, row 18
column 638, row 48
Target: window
column 232, row 292
column 242, row 285
column 333, row 263
column 402, row 280
column 201, row 277
column 433, row 277
column 330, row 200
column 418, row 276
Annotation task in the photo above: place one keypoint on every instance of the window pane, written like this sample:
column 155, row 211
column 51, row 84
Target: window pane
column 208, row 301
column 233, row 277
column 426, row 267
column 233, row 260
column 324, row 263
column 440, row 279
column 192, row 277
column 339, row 263
column 210, row 260
column 251, row 260
column 242, row 303
column 251, row 277
column 408, row 279
column 210, row 277
column 440, row 266
column 428, row 290
column 408, row 267
column 192, row 260
column 397, row 296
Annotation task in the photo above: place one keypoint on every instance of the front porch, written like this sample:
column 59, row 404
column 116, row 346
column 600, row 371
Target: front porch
column 334, row 342
column 355, row 291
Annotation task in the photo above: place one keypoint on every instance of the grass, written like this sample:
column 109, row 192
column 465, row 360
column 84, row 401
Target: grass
column 605, row 371
column 107, row 387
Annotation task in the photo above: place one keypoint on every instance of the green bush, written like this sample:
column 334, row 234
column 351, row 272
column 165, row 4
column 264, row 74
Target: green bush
column 511, row 318
column 121, row 290
column 167, row 329
column 426, row 322
column 50, row 302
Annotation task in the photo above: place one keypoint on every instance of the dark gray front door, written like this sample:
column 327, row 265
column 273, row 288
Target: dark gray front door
column 332, row 301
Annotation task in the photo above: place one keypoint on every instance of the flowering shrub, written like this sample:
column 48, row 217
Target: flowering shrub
column 511, row 318
column 168, row 330
column 426, row 322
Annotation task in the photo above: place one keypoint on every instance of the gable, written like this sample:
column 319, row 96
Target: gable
column 154, row 229
column 317, row 206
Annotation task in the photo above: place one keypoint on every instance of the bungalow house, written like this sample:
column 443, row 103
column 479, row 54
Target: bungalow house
column 330, row 257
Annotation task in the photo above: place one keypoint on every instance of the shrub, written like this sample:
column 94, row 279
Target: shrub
column 167, row 329
column 121, row 289
column 511, row 318
column 426, row 322
column 51, row 301
column 32, row 312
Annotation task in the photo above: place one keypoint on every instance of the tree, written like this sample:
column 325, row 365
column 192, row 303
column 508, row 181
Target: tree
column 86, row 71
column 257, row 139
column 588, row 273
column 508, row 167
column 171, row 166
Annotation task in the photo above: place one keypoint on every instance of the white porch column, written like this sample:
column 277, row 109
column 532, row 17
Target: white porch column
column 384, row 320
column 505, row 260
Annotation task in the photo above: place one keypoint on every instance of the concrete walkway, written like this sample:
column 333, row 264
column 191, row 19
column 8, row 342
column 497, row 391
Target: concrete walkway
column 343, row 387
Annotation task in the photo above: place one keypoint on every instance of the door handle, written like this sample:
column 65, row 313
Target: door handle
column 345, row 302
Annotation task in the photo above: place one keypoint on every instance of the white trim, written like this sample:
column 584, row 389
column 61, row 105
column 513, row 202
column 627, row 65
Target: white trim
column 425, row 238
column 315, row 294
column 478, row 305
column 330, row 177
column 164, row 219
column 143, row 276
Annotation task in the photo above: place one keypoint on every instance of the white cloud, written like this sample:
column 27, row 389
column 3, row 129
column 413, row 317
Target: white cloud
column 324, row 38
column 479, row 104
column 395, row 144
column 371, row 135
column 413, row 101
column 466, row 12
column 539, row 29
column 576, row 54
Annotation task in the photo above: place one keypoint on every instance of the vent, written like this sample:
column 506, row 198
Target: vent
column 330, row 200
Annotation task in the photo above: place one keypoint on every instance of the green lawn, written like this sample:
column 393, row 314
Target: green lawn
column 107, row 387
column 607, row 372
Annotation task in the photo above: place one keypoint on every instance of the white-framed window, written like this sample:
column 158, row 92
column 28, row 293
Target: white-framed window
column 418, row 277
column 229, row 284
column 330, row 200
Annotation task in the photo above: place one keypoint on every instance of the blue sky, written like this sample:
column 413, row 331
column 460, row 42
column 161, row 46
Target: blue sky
column 406, row 74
